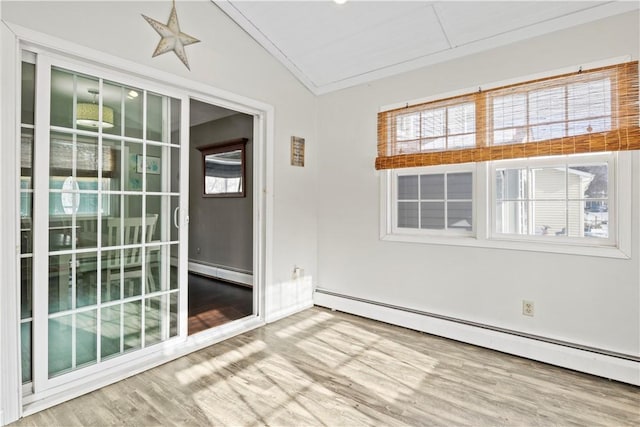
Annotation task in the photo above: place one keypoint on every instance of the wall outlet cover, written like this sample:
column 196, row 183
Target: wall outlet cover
column 528, row 308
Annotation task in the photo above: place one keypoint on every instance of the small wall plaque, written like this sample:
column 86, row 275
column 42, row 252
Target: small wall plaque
column 297, row 151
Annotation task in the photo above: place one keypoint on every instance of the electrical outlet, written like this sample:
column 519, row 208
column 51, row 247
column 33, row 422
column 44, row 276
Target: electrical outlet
column 527, row 308
column 297, row 273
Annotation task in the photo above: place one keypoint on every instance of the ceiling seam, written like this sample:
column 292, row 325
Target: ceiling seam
column 444, row 32
column 385, row 67
column 533, row 24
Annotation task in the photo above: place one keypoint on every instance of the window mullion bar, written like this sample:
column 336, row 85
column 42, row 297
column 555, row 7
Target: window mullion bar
column 526, row 115
column 529, row 200
column 446, row 128
column 446, row 204
column 420, row 132
column 566, row 198
column 566, row 110
column 419, row 202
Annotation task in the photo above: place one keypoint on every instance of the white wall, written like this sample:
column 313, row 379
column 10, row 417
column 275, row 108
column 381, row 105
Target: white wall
column 584, row 300
column 226, row 58
column 2, row 267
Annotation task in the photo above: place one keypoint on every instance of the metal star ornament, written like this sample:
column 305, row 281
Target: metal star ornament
column 172, row 38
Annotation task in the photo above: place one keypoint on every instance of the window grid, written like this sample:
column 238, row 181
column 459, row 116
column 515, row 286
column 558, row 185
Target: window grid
column 150, row 308
column 571, row 114
column 447, row 203
column 431, row 129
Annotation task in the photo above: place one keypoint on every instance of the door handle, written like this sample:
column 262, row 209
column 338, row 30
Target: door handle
column 175, row 217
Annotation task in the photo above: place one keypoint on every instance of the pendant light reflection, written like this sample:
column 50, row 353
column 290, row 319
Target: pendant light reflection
column 339, row 1
column 88, row 114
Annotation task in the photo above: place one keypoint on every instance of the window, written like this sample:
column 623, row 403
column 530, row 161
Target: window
column 431, row 202
column 556, row 198
column 577, row 204
column 435, row 129
column 542, row 165
column 581, row 112
column 540, row 112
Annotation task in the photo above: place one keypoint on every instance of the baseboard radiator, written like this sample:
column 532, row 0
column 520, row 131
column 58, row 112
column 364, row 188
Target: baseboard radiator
column 222, row 273
column 592, row 360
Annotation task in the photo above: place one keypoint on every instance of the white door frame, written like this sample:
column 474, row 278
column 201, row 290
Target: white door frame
column 14, row 38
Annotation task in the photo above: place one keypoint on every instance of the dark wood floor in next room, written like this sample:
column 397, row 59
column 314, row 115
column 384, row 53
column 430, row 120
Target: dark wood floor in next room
column 215, row 302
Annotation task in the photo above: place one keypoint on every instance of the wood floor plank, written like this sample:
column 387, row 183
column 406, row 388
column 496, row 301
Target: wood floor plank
column 214, row 302
column 324, row 368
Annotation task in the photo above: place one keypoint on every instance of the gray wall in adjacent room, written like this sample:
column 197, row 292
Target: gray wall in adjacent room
column 221, row 227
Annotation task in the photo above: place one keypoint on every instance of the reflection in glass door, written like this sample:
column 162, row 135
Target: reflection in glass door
column 26, row 215
column 105, row 202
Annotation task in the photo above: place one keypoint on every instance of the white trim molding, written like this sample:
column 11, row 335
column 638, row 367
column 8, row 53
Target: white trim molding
column 10, row 374
column 619, row 367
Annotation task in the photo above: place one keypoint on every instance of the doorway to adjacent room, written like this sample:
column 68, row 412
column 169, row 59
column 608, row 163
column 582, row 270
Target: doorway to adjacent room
column 221, row 242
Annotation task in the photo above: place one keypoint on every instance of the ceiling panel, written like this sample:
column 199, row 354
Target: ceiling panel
column 466, row 22
column 330, row 47
column 297, row 27
column 393, row 41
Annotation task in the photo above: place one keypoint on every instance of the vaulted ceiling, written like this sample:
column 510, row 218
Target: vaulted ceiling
column 328, row 46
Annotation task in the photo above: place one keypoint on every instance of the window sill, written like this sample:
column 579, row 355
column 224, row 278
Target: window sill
column 548, row 247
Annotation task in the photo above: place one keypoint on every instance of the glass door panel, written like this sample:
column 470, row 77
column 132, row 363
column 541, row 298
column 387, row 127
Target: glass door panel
column 112, row 251
column 113, row 97
column 133, row 112
column 111, row 334
column 155, row 117
column 26, row 216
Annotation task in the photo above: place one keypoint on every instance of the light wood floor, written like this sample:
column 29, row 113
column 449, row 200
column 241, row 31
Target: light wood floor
column 328, row 368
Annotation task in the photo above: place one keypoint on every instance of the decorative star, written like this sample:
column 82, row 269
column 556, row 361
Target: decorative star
column 172, row 38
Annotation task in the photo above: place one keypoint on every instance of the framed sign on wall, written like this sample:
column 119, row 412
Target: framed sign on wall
column 297, row 151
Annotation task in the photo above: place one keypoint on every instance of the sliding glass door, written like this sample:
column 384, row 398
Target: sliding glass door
column 104, row 221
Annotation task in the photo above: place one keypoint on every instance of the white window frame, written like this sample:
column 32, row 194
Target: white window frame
column 624, row 170
column 390, row 202
column 548, row 162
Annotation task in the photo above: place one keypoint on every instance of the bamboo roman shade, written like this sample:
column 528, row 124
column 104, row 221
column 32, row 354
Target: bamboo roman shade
column 582, row 112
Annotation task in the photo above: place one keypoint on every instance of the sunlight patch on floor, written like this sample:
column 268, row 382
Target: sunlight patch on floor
column 289, row 396
column 304, row 325
column 216, row 364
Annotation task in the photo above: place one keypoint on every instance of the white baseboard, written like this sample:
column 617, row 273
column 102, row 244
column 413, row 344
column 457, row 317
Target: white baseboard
column 281, row 314
column 221, row 273
column 603, row 365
